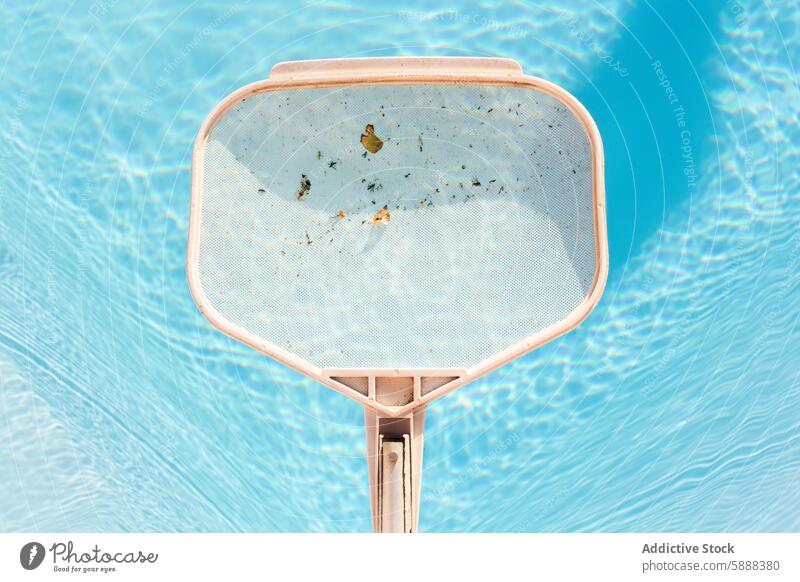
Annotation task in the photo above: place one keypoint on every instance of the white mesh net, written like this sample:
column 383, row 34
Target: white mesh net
column 490, row 234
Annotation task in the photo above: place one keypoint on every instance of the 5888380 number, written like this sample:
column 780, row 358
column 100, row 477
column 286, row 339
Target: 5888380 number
column 751, row 565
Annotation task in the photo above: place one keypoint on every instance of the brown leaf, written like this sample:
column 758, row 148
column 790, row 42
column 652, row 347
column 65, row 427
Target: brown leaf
column 382, row 216
column 371, row 142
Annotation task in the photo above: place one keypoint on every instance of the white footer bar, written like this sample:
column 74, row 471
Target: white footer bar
column 349, row 557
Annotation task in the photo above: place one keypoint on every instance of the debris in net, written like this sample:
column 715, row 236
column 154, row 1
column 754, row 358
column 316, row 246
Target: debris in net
column 419, row 138
column 476, row 182
column 341, row 214
column 371, row 142
column 382, row 216
column 305, row 187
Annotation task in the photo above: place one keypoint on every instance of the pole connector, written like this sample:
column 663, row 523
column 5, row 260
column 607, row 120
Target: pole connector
column 394, row 458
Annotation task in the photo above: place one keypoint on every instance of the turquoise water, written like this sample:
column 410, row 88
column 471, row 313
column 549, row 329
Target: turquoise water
column 675, row 406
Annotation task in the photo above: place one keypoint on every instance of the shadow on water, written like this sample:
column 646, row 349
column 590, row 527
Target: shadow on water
column 652, row 107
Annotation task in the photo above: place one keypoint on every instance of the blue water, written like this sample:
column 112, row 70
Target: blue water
column 675, row 406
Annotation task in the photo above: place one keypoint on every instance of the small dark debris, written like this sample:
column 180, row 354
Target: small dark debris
column 305, row 187
column 476, row 182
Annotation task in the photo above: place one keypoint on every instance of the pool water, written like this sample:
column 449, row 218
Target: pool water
column 675, row 406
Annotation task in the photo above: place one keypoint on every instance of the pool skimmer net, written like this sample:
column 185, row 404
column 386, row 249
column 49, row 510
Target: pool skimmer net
column 395, row 228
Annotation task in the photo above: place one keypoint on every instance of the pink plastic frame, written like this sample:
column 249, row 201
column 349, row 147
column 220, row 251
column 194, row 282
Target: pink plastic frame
column 398, row 71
